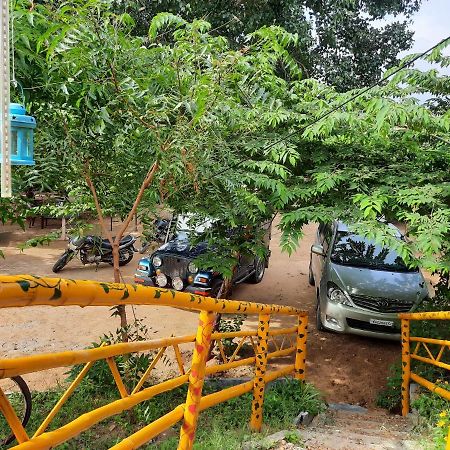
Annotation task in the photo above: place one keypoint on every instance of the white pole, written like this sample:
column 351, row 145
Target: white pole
column 4, row 99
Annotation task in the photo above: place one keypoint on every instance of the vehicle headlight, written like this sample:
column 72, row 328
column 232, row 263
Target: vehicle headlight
column 337, row 295
column 157, row 261
column 181, row 246
column 143, row 268
column 177, row 283
column 192, row 268
column 161, row 280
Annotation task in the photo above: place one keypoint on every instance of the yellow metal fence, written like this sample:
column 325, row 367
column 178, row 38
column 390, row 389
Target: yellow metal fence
column 267, row 344
column 425, row 350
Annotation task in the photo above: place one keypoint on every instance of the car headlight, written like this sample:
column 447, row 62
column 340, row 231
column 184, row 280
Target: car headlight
column 161, row 280
column 337, row 295
column 177, row 283
column 157, row 261
column 192, row 268
column 182, row 245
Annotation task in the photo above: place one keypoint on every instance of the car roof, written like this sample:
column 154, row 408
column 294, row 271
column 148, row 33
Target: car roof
column 341, row 226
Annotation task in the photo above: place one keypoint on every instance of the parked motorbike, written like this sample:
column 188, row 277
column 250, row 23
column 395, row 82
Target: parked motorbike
column 160, row 234
column 94, row 250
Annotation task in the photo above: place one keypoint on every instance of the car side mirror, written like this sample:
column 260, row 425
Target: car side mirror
column 318, row 250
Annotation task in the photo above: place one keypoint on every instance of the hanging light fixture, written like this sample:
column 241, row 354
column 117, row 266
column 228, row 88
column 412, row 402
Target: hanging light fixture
column 16, row 144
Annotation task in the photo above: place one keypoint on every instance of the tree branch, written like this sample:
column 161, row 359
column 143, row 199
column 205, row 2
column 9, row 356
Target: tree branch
column 148, row 179
column 105, row 230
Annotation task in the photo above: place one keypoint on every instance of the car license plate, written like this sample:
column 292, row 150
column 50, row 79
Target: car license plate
column 385, row 323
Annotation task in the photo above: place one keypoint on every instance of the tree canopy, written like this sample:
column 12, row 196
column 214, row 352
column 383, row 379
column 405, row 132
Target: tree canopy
column 338, row 42
column 218, row 121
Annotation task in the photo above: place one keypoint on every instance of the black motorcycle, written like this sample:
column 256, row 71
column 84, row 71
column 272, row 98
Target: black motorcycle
column 94, row 250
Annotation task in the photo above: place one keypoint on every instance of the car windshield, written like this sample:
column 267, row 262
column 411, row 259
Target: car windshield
column 185, row 227
column 353, row 250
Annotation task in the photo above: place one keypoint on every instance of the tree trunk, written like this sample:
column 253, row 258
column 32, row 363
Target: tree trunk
column 115, row 242
column 120, row 308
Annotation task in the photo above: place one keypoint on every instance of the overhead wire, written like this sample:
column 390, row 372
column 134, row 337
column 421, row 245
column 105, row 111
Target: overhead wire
column 328, row 113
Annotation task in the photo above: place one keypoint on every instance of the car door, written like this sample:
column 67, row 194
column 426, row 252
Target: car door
column 318, row 263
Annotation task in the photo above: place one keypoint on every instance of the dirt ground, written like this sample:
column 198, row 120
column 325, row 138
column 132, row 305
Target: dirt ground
column 345, row 368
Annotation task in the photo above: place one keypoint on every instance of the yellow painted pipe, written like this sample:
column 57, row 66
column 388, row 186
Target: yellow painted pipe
column 232, row 334
column 149, row 369
column 150, row 431
column 117, row 378
column 63, row 399
column 28, row 290
column 284, row 352
column 52, row 438
column 433, row 315
column 260, row 371
column 300, row 355
column 18, row 366
column 33, row 363
column 196, row 379
column 429, row 340
column 431, row 386
column 179, row 359
column 11, row 417
column 282, row 331
column 235, row 391
column 431, row 361
column 406, row 366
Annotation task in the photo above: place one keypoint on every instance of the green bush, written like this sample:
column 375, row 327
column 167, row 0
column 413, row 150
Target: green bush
column 390, row 398
column 131, row 367
column 435, row 411
column 285, row 399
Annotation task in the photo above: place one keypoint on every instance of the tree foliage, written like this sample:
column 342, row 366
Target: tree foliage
column 337, row 41
column 219, row 121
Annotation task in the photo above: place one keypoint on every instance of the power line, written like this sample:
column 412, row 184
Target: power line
column 328, row 113
column 300, row 130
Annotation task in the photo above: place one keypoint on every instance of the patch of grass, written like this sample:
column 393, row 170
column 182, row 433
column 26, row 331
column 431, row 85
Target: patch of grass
column 224, row 426
column 435, row 412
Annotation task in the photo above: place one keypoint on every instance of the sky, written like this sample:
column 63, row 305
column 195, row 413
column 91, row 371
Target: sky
column 430, row 24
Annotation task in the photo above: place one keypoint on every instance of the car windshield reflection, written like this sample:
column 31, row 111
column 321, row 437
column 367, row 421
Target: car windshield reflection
column 353, row 250
column 185, row 227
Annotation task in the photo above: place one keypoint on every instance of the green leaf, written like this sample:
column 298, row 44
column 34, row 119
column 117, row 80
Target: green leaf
column 57, row 294
column 25, row 285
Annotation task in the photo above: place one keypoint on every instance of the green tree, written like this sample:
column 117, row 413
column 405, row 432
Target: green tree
column 338, row 42
column 119, row 113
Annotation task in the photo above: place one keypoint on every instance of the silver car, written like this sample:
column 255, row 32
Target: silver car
column 361, row 286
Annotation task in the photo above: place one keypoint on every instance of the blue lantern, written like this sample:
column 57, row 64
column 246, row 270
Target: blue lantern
column 22, row 127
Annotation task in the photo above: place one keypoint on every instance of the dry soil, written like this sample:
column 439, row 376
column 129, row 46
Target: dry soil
column 345, row 368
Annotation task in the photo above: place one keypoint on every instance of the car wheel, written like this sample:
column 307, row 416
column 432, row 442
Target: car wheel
column 319, row 324
column 258, row 274
column 311, row 276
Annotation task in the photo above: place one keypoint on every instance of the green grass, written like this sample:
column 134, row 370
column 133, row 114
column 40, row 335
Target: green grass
column 224, row 426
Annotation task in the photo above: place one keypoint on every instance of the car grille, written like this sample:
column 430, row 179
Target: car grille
column 174, row 266
column 380, row 304
column 367, row 326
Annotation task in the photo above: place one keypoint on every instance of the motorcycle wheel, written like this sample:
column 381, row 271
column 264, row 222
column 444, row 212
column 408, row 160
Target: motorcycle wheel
column 125, row 256
column 62, row 261
column 18, row 393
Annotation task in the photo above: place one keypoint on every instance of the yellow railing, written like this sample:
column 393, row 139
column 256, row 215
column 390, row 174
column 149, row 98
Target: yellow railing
column 434, row 350
column 26, row 290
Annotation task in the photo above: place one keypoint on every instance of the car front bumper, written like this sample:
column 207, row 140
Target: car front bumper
column 143, row 278
column 198, row 290
column 353, row 320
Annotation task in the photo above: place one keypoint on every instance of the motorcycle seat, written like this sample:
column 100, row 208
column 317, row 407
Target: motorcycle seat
column 124, row 241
